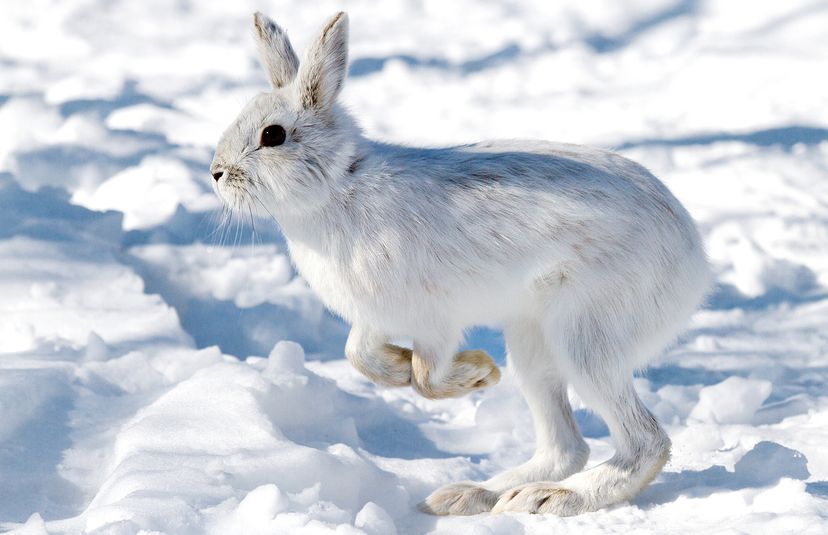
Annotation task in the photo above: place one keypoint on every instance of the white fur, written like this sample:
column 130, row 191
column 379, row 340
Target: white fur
column 584, row 257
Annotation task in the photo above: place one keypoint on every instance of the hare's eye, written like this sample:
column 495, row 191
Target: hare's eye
column 273, row 135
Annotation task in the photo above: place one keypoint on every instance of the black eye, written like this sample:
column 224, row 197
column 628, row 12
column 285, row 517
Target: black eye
column 273, row 135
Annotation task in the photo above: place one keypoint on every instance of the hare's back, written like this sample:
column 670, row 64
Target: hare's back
column 549, row 161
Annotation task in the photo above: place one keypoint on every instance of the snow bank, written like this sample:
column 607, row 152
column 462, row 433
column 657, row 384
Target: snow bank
column 733, row 401
column 206, row 449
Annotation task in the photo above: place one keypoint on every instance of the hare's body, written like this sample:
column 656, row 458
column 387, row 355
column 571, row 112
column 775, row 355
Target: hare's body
column 419, row 240
column 586, row 260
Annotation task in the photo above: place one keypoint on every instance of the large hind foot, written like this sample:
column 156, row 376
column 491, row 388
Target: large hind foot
column 468, row 498
column 542, row 497
column 471, row 498
column 469, row 371
column 464, row 498
column 609, row 483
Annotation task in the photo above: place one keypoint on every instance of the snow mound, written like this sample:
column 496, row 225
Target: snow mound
column 733, row 401
column 206, row 449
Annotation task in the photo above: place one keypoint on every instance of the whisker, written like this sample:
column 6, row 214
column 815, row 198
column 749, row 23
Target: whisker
column 215, row 222
column 268, row 211
column 238, row 223
column 225, row 225
column 253, row 228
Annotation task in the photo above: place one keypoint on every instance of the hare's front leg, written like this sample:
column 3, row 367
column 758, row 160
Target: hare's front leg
column 432, row 368
column 437, row 372
column 383, row 363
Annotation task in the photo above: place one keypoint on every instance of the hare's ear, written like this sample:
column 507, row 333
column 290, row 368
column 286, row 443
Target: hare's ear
column 323, row 71
column 275, row 52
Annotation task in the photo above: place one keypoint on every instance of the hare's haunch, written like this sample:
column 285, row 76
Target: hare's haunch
column 587, row 261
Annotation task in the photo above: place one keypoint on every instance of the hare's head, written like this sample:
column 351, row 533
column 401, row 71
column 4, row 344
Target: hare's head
column 289, row 149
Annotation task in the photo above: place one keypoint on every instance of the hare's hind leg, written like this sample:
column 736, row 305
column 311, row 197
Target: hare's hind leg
column 560, row 450
column 642, row 449
column 604, row 382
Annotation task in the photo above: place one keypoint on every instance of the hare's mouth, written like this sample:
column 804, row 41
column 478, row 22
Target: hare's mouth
column 241, row 205
column 243, row 194
column 234, row 190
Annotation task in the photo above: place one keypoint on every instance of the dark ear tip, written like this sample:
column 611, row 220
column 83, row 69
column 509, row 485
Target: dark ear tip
column 339, row 21
column 263, row 22
column 341, row 18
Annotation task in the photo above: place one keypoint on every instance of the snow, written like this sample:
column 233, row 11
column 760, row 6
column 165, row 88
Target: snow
column 733, row 401
column 164, row 370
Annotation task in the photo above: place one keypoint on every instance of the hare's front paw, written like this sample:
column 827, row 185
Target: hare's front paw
column 470, row 370
column 390, row 365
column 464, row 498
column 474, row 369
column 395, row 366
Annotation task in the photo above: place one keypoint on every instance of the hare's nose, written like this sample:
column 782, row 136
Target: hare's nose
column 217, row 175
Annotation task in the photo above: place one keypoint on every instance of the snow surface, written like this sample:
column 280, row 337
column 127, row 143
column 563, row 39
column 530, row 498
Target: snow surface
column 161, row 372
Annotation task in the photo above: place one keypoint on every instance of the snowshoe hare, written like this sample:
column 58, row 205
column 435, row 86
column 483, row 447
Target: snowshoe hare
column 587, row 261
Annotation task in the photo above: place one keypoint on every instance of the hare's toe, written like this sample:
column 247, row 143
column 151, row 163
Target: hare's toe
column 470, row 370
column 463, row 498
column 543, row 497
column 390, row 367
column 476, row 369
column 396, row 366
